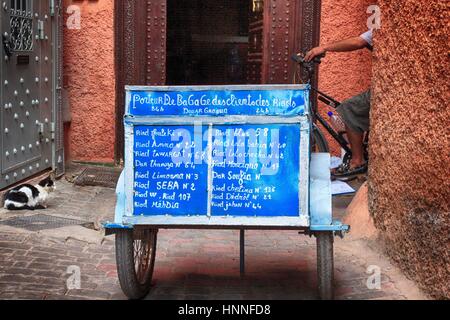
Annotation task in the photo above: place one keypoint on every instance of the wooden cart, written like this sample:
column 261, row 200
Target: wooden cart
column 219, row 157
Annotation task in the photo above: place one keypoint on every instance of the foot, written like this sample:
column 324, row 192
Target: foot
column 349, row 172
column 355, row 163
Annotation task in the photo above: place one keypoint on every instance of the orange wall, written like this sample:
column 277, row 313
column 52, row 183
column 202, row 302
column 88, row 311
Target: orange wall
column 90, row 82
column 343, row 75
column 409, row 186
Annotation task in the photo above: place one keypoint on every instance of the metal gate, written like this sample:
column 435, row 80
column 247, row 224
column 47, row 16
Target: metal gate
column 31, row 74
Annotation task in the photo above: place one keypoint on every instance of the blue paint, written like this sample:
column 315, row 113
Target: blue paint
column 217, row 170
column 266, row 184
column 335, row 226
column 263, row 182
column 165, row 181
column 110, row 225
column 218, row 102
column 120, row 198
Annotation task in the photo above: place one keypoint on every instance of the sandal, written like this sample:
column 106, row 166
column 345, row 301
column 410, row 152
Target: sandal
column 343, row 172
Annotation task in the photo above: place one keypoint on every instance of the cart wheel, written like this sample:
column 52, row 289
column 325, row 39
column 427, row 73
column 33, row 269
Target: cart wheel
column 325, row 265
column 135, row 257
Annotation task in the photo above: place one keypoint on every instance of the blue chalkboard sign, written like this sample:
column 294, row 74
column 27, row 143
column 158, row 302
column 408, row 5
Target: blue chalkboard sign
column 212, row 102
column 268, row 186
column 162, row 185
column 218, row 151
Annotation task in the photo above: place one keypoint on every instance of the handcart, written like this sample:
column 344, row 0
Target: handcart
column 219, row 157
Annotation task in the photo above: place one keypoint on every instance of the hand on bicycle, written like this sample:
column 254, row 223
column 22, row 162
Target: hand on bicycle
column 313, row 53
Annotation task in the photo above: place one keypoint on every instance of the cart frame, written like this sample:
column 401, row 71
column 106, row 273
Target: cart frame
column 136, row 235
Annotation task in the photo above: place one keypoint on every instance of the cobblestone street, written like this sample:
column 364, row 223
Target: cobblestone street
column 190, row 264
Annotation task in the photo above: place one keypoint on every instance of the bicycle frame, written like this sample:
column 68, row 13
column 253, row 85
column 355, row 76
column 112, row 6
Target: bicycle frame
column 339, row 137
column 321, row 96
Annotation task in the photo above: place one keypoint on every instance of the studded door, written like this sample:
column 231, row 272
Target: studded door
column 290, row 26
column 29, row 83
column 141, row 51
column 255, row 43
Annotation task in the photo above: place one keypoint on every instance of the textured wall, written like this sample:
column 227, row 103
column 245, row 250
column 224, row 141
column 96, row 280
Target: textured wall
column 343, row 75
column 89, row 77
column 409, row 174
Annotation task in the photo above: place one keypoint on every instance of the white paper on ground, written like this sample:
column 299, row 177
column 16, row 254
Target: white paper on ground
column 335, row 162
column 340, row 187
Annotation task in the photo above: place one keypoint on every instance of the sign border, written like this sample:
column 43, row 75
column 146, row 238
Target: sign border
column 304, row 154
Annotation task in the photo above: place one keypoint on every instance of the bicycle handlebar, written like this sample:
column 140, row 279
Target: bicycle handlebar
column 310, row 67
column 300, row 59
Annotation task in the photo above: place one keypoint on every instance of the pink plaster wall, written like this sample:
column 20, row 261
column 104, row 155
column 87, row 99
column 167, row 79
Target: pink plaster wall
column 90, row 82
column 343, row 75
column 409, row 185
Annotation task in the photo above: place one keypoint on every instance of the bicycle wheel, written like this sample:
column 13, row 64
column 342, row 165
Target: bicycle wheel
column 319, row 143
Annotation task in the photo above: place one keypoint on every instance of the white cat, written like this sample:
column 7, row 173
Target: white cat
column 28, row 197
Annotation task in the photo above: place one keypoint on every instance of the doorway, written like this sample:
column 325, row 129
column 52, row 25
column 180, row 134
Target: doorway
column 207, row 42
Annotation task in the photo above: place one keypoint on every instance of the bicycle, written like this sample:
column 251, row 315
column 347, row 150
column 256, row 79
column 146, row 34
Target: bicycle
column 319, row 142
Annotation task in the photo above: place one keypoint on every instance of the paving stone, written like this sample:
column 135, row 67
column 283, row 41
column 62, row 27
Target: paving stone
column 64, row 297
column 13, row 245
column 15, row 258
column 49, row 274
column 30, row 295
column 92, row 294
column 19, row 271
column 366, row 295
column 44, row 288
column 20, row 264
column 41, row 266
column 9, row 286
column 118, row 296
column 16, row 278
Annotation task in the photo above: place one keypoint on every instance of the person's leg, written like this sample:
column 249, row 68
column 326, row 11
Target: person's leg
column 355, row 114
column 356, row 144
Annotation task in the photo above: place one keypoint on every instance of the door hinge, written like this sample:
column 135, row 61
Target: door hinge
column 55, row 7
column 53, row 4
column 41, row 34
column 52, row 8
column 53, row 130
column 40, row 130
